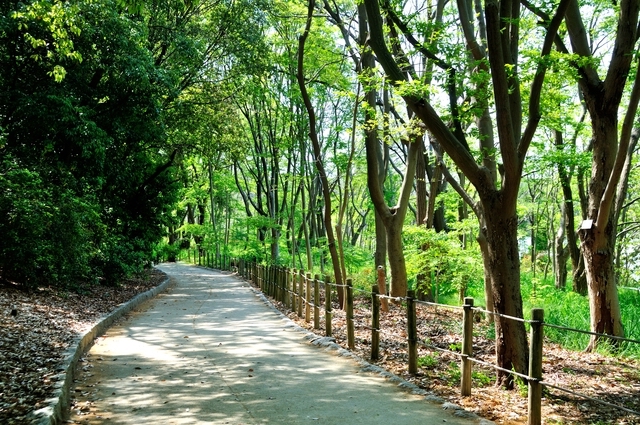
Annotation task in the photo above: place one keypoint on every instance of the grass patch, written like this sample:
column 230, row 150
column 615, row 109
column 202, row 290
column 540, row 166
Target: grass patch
column 428, row 362
column 564, row 307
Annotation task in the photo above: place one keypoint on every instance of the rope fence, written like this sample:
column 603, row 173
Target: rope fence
column 309, row 296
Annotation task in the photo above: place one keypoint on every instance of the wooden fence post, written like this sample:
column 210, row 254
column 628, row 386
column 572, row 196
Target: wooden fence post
column 382, row 288
column 307, row 296
column 316, row 302
column 291, row 284
column 350, row 326
column 535, row 367
column 328, row 315
column 300, row 292
column 272, row 281
column 261, row 278
column 279, row 291
column 412, row 332
column 467, row 347
column 375, row 323
column 285, row 286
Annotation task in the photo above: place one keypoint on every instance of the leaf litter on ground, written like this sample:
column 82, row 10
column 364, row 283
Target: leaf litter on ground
column 38, row 326
column 615, row 380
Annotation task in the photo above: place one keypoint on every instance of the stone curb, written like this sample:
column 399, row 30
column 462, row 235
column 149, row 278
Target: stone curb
column 57, row 407
column 331, row 346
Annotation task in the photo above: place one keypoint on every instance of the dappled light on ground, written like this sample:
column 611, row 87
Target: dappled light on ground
column 211, row 352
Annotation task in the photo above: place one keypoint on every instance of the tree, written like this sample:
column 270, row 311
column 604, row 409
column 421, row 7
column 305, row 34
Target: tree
column 498, row 203
column 313, row 135
column 104, row 184
column 610, row 152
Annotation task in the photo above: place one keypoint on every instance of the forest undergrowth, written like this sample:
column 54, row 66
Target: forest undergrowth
column 39, row 326
column 613, row 379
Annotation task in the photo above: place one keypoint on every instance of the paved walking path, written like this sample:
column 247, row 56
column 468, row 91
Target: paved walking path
column 211, row 352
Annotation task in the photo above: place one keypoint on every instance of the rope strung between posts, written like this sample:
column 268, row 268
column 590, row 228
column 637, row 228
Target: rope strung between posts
column 586, row 397
column 392, row 298
column 617, row 338
column 338, row 285
column 443, row 350
column 512, row 372
column 506, row 316
column 451, row 307
column 476, row 360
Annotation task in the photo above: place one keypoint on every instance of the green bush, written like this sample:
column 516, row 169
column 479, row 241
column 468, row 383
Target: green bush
column 47, row 233
column 448, row 267
column 163, row 251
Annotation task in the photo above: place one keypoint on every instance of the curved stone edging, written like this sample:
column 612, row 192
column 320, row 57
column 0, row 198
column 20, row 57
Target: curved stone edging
column 58, row 406
column 330, row 345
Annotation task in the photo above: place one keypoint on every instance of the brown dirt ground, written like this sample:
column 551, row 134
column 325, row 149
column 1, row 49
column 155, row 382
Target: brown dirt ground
column 46, row 321
column 612, row 379
column 38, row 327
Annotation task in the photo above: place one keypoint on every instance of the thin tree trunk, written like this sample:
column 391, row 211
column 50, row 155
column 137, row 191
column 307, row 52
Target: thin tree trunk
column 560, row 252
column 610, row 153
column 347, row 186
column 421, row 188
column 318, row 155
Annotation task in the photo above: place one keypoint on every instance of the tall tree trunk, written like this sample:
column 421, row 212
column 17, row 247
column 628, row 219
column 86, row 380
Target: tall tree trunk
column 488, row 286
column 434, row 185
column 421, row 188
column 392, row 217
column 568, row 214
column 313, row 135
column 423, row 286
column 598, row 240
column 347, row 187
column 498, row 205
column 213, row 206
column 610, row 152
column 604, row 306
column 500, row 231
column 561, row 253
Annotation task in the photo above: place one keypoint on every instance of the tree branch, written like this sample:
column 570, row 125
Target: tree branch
column 422, row 108
column 538, row 80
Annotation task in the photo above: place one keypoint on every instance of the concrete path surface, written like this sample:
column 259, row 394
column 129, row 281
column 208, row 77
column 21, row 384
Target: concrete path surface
column 211, row 352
